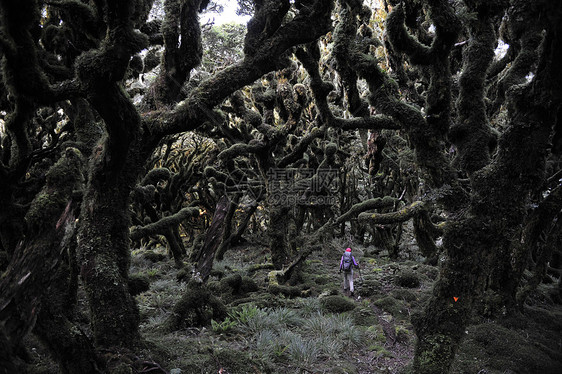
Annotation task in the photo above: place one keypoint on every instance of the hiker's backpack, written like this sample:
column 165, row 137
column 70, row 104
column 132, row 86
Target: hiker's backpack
column 347, row 261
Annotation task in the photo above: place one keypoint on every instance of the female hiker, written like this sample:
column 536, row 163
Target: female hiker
column 347, row 263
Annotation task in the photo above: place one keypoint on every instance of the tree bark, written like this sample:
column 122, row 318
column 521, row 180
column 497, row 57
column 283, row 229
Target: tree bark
column 213, row 239
column 277, row 233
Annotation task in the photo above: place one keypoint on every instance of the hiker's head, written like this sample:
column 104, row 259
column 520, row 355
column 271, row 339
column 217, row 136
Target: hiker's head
column 348, row 250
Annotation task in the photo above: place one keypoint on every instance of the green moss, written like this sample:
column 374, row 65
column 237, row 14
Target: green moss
column 371, row 286
column 490, row 304
column 196, row 308
column 183, row 275
column 232, row 283
column 234, row 287
column 436, row 355
column 403, row 294
column 491, row 346
column 428, row 271
column 322, row 279
column 337, row 304
column 234, row 361
column 376, row 334
column 364, row 316
column 395, row 307
column 289, row 291
column 45, row 205
column 407, row 278
column 402, row 334
column 248, row 285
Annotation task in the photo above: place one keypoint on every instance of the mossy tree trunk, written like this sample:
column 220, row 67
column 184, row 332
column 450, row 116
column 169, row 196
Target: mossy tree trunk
column 278, row 231
column 26, row 304
column 236, row 237
column 103, row 239
column 182, row 53
column 104, row 253
column 213, row 238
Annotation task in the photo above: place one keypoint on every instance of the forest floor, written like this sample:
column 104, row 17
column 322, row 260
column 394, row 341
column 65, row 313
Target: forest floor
column 312, row 327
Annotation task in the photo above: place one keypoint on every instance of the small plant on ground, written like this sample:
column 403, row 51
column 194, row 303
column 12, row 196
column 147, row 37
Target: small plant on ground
column 244, row 313
column 223, row 327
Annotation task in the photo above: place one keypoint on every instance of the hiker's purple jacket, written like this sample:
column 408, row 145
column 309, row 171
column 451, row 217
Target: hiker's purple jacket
column 352, row 258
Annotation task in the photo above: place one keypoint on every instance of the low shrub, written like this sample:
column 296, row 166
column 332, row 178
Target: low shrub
column 407, row 278
column 337, row 304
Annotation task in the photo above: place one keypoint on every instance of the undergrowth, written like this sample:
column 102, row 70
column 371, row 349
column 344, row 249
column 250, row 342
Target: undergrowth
column 321, row 331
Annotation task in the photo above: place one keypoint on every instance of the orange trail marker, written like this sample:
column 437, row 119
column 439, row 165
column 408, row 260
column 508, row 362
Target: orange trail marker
column 455, row 298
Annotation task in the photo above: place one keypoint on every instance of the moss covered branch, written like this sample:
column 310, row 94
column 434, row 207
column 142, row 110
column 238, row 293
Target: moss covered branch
column 344, row 33
column 265, row 56
column 24, row 74
column 301, row 147
column 400, row 39
column 180, row 23
column 164, row 224
column 523, row 39
column 472, row 135
column 356, row 209
column 402, row 215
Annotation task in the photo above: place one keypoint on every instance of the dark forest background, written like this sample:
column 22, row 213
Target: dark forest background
column 175, row 195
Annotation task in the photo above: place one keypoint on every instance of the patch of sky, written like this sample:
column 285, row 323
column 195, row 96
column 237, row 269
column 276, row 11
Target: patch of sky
column 501, row 49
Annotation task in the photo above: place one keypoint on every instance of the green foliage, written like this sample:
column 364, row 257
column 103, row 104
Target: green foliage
column 308, row 307
column 364, row 315
column 152, row 273
column 244, row 313
column 402, row 334
column 223, row 44
column 225, row 326
column 278, row 289
column 299, row 349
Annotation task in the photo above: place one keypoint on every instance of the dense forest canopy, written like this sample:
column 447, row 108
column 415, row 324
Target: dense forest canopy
column 130, row 124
